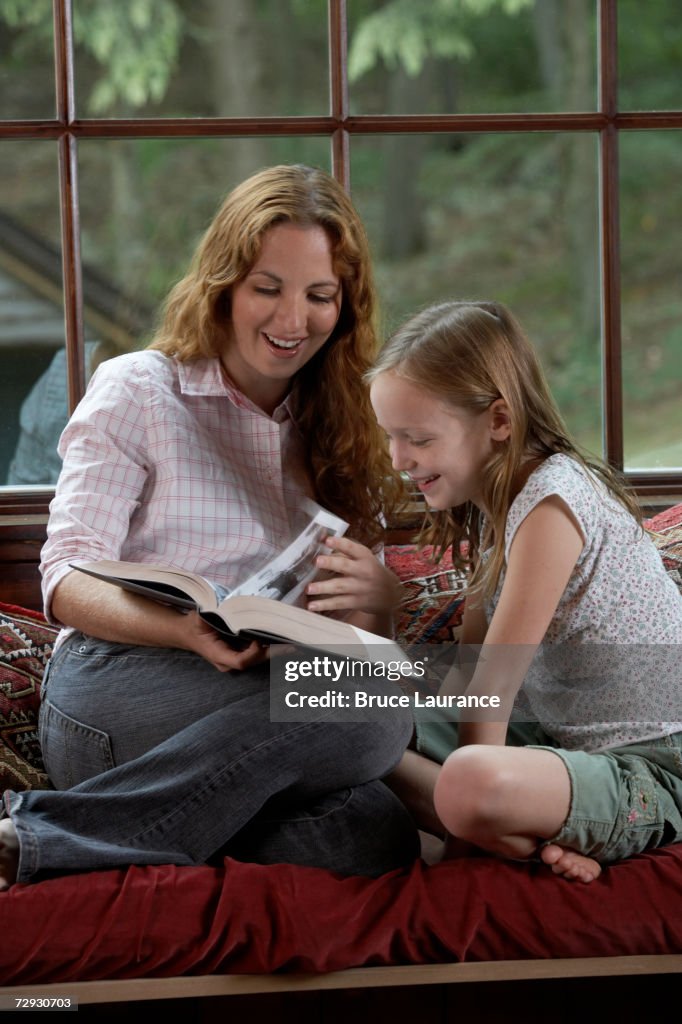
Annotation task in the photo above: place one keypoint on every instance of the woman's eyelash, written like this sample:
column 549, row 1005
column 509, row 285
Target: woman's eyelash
column 323, row 299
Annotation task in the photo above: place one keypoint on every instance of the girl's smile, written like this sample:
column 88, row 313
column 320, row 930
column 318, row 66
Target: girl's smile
column 282, row 313
column 443, row 449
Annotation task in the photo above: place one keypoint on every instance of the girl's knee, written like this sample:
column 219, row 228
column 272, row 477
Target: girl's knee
column 469, row 790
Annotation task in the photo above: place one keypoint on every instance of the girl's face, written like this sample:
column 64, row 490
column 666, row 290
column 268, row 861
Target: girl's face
column 282, row 312
column 443, row 449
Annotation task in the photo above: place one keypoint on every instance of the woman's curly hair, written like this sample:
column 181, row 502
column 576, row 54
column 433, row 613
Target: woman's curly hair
column 347, row 460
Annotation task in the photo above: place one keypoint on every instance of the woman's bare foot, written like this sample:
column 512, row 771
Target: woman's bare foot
column 436, row 848
column 9, row 854
column 456, row 849
column 570, row 864
column 432, row 847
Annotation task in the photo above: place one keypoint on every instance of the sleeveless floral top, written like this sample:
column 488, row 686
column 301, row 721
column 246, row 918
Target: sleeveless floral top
column 609, row 671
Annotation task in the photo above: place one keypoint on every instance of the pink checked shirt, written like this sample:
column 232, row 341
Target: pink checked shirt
column 168, row 462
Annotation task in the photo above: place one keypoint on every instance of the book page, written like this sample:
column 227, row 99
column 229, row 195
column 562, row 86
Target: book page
column 278, row 621
column 287, row 575
column 163, row 582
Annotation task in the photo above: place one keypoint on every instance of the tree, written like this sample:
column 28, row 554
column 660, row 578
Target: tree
column 566, row 54
column 414, row 42
column 135, row 44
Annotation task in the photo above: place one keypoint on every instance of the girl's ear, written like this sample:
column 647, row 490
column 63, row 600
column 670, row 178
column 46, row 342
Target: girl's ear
column 500, row 422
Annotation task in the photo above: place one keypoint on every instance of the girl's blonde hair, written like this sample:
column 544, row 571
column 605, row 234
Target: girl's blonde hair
column 348, row 465
column 469, row 354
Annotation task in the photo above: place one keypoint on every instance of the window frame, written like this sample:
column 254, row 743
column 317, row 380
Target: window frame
column 607, row 122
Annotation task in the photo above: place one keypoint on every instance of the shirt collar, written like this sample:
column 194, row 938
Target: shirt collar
column 207, row 377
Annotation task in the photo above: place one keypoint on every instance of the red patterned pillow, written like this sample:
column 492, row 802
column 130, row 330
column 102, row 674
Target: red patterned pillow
column 432, row 608
column 26, row 643
column 665, row 530
column 434, row 600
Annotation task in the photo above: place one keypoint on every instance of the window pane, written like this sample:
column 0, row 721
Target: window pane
column 144, row 206
column 651, row 225
column 178, row 58
column 650, row 55
column 31, row 308
column 456, row 58
column 506, row 217
column 26, row 61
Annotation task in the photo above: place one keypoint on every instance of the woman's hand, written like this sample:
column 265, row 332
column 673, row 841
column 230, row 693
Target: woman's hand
column 98, row 609
column 204, row 641
column 360, row 583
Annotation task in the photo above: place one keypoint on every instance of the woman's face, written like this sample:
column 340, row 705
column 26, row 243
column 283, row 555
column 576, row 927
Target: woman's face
column 282, row 312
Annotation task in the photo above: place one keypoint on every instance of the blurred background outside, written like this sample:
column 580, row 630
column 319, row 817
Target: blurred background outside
column 512, row 216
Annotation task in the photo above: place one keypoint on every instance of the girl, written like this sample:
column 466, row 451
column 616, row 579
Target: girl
column 198, row 452
column 568, row 598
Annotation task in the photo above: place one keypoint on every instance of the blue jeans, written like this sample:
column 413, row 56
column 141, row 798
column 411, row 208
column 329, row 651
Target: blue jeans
column 159, row 758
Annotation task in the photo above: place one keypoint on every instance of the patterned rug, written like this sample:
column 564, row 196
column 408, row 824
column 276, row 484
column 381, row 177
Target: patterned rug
column 25, row 645
column 431, row 611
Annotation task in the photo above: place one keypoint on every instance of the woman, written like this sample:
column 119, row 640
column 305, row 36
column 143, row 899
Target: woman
column 198, row 452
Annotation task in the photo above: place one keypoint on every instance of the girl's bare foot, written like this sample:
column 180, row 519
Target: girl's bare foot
column 9, row 854
column 570, row 864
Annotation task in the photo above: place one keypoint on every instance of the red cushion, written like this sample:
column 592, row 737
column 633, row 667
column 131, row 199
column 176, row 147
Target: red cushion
column 245, row 918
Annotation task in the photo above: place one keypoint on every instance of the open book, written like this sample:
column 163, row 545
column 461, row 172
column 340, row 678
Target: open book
column 246, row 617
column 263, row 607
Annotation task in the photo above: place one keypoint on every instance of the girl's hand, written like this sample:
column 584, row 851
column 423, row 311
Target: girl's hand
column 200, row 638
column 361, row 582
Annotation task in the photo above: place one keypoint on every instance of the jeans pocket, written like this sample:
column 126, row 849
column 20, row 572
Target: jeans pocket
column 72, row 751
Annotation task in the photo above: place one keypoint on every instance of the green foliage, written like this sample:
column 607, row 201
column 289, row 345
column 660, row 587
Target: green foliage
column 650, row 47
column 406, row 33
column 34, row 16
column 136, row 42
column 24, row 13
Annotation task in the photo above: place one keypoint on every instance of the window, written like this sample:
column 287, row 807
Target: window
column 525, row 150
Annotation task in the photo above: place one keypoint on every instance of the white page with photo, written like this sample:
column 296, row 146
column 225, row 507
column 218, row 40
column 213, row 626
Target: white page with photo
column 287, row 575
